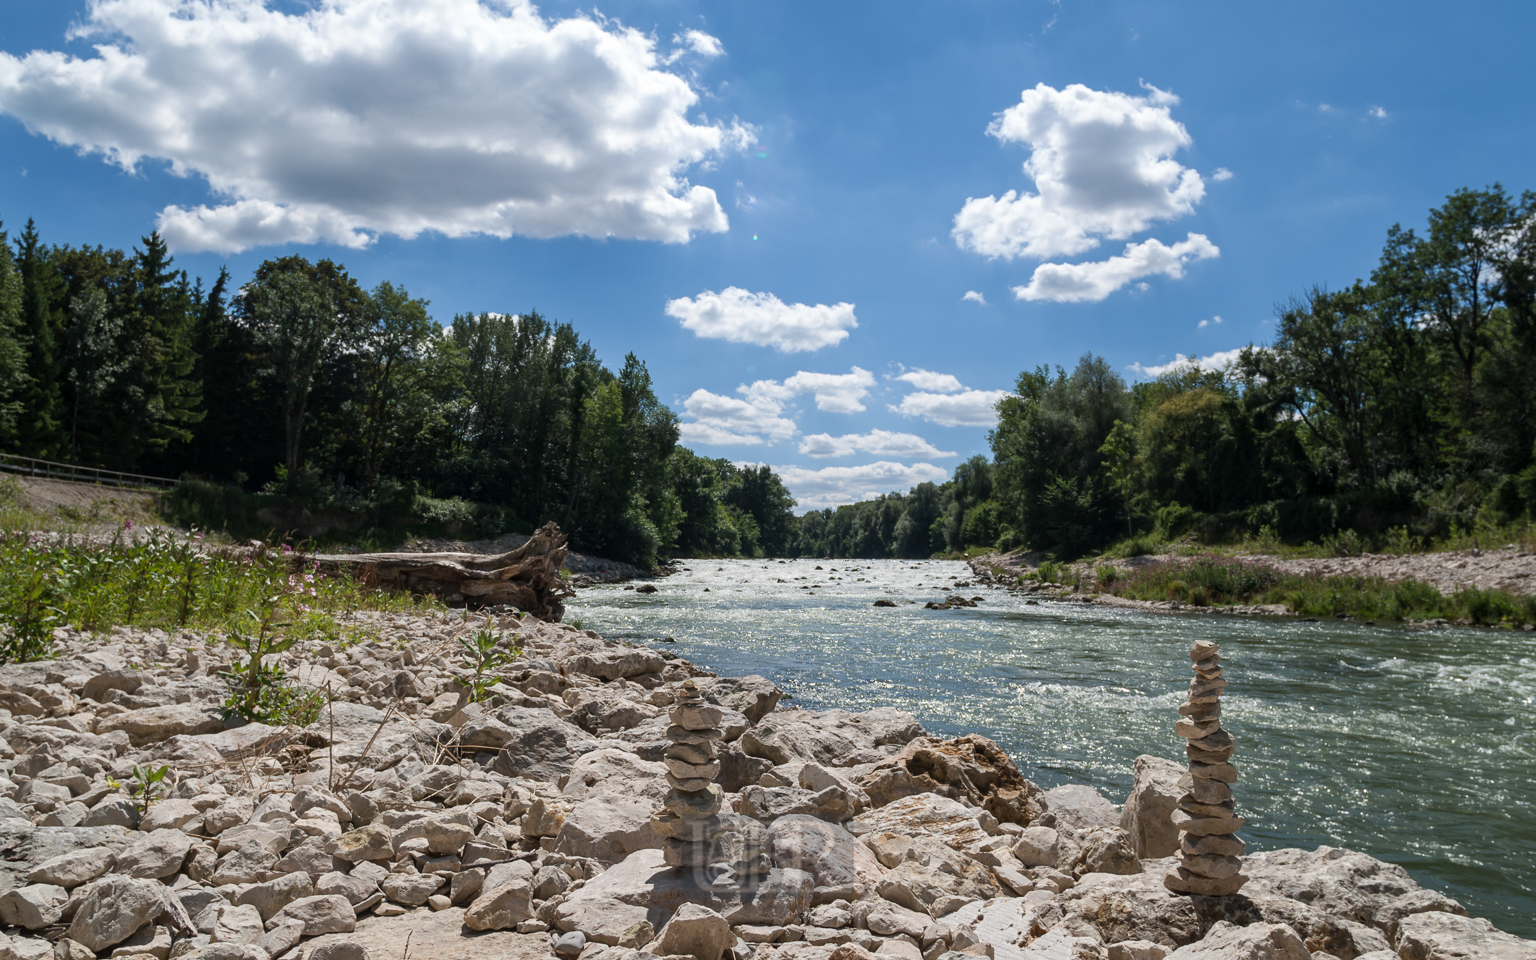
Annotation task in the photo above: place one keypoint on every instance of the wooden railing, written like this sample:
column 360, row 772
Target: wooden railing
column 32, row 467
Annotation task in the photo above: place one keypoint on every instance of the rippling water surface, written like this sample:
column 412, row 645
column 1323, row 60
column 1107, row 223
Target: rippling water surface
column 1415, row 747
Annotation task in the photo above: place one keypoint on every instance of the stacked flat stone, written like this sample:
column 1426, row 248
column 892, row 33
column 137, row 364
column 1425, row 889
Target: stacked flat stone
column 690, row 815
column 1209, row 850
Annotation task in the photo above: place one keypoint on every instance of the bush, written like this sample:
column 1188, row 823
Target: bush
column 1174, row 520
column 1346, row 544
column 1137, row 546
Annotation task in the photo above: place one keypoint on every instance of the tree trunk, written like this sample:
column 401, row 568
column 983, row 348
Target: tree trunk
column 527, row 577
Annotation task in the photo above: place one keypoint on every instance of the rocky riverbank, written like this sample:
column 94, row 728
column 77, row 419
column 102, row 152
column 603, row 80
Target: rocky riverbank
column 407, row 823
column 1511, row 569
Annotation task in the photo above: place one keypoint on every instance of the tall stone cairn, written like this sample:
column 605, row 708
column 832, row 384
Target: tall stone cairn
column 1209, row 850
column 690, row 815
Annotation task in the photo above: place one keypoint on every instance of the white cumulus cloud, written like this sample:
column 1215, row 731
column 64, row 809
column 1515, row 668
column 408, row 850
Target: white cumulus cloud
column 1222, row 173
column 354, row 118
column 742, row 316
column 880, row 443
column 1206, row 323
column 1216, row 361
column 934, row 382
column 1080, row 282
column 835, row 486
column 760, row 416
column 720, row 419
column 834, row 392
column 970, row 408
column 975, row 296
column 1102, row 163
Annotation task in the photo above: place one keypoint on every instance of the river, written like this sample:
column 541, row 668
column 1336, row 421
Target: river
column 1416, row 747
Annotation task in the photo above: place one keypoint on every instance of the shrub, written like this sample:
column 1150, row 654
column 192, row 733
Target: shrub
column 1138, row 546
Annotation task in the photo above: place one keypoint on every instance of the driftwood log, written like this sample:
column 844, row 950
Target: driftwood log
column 527, row 577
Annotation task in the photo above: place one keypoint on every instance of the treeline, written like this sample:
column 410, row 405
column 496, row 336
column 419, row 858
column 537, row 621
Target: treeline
column 930, row 519
column 1398, row 411
column 302, row 390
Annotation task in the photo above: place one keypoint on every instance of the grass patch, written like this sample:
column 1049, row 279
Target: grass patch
column 1213, row 581
column 170, row 581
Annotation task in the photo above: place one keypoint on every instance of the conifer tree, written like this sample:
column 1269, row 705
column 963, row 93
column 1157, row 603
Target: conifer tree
column 41, row 403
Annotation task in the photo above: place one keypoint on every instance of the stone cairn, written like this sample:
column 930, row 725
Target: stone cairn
column 698, row 834
column 1209, row 849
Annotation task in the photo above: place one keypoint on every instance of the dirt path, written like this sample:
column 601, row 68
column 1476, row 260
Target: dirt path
column 87, row 505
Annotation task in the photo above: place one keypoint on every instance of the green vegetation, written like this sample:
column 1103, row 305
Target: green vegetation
column 300, row 401
column 148, row 781
column 1396, row 415
column 481, row 655
column 1215, row 581
column 167, row 581
column 931, row 519
column 1395, row 412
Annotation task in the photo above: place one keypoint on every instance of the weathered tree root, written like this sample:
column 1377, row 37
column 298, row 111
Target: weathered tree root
column 527, row 577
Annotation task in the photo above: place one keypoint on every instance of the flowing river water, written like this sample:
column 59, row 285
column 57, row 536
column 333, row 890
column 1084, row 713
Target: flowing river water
column 1416, row 747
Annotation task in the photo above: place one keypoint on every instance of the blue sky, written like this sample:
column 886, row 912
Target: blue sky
column 781, row 207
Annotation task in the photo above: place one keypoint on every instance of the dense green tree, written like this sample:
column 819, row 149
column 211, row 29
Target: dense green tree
column 759, row 493
column 41, row 399
column 391, row 404
column 1049, row 475
column 13, row 349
